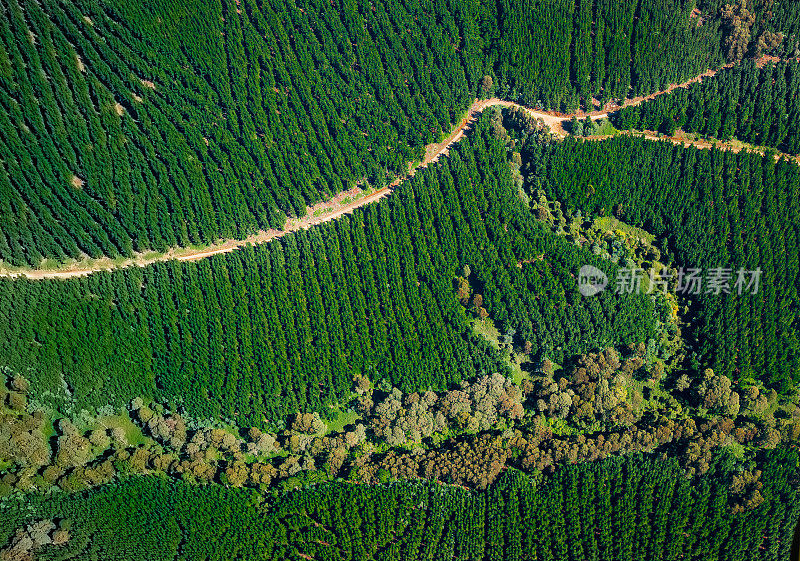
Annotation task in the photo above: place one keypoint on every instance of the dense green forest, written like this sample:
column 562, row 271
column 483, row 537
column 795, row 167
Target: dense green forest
column 757, row 19
column 284, row 326
column 371, row 312
column 422, row 378
column 757, row 105
column 619, row 509
column 134, row 126
column 712, row 209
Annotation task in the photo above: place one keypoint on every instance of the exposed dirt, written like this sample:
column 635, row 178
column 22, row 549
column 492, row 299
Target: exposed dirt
column 343, row 203
column 683, row 138
column 766, row 59
column 347, row 201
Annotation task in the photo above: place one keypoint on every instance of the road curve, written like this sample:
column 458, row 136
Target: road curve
column 338, row 205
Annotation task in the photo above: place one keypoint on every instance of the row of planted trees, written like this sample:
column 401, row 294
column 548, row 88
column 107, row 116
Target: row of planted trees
column 711, row 210
column 632, row 508
column 752, row 104
column 283, row 327
column 135, row 127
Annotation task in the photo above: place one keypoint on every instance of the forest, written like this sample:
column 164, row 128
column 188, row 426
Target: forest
column 711, row 209
column 269, row 330
column 760, row 106
column 601, row 405
column 134, row 126
column 230, row 370
column 623, row 509
column 425, row 377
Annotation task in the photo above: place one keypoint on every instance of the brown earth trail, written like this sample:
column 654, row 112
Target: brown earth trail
column 343, row 203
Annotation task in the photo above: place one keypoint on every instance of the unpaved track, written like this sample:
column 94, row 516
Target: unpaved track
column 322, row 212
column 703, row 144
column 338, row 205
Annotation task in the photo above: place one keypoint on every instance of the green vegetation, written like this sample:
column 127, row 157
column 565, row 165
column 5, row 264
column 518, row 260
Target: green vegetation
column 754, row 28
column 132, row 126
column 591, row 127
column 611, row 224
column 708, row 209
column 256, row 334
column 603, row 127
column 421, row 379
column 515, row 357
column 637, row 508
column 599, row 405
column 458, row 238
column 758, row 106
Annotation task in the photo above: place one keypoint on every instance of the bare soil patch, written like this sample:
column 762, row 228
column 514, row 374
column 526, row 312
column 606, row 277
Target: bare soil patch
column 346, row 201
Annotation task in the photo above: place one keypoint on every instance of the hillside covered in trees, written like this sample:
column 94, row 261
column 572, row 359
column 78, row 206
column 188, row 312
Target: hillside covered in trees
column 283, row 327
column 221, row 373
column 426, row 377
column 711, row 209
column 639, row 508
column 760, row 106
column 136, row 126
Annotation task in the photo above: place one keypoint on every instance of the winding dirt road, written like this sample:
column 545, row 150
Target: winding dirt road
column 343, row 203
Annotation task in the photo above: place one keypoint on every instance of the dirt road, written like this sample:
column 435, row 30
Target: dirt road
column 681, row 138
column 343, row 203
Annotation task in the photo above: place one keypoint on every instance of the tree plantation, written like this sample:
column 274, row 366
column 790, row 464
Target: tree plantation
column 135, row 126
column 254, row 335
column 712, row 209
column 270, row 330
column 388, row 280
column 756, row 105
column 639, row 508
